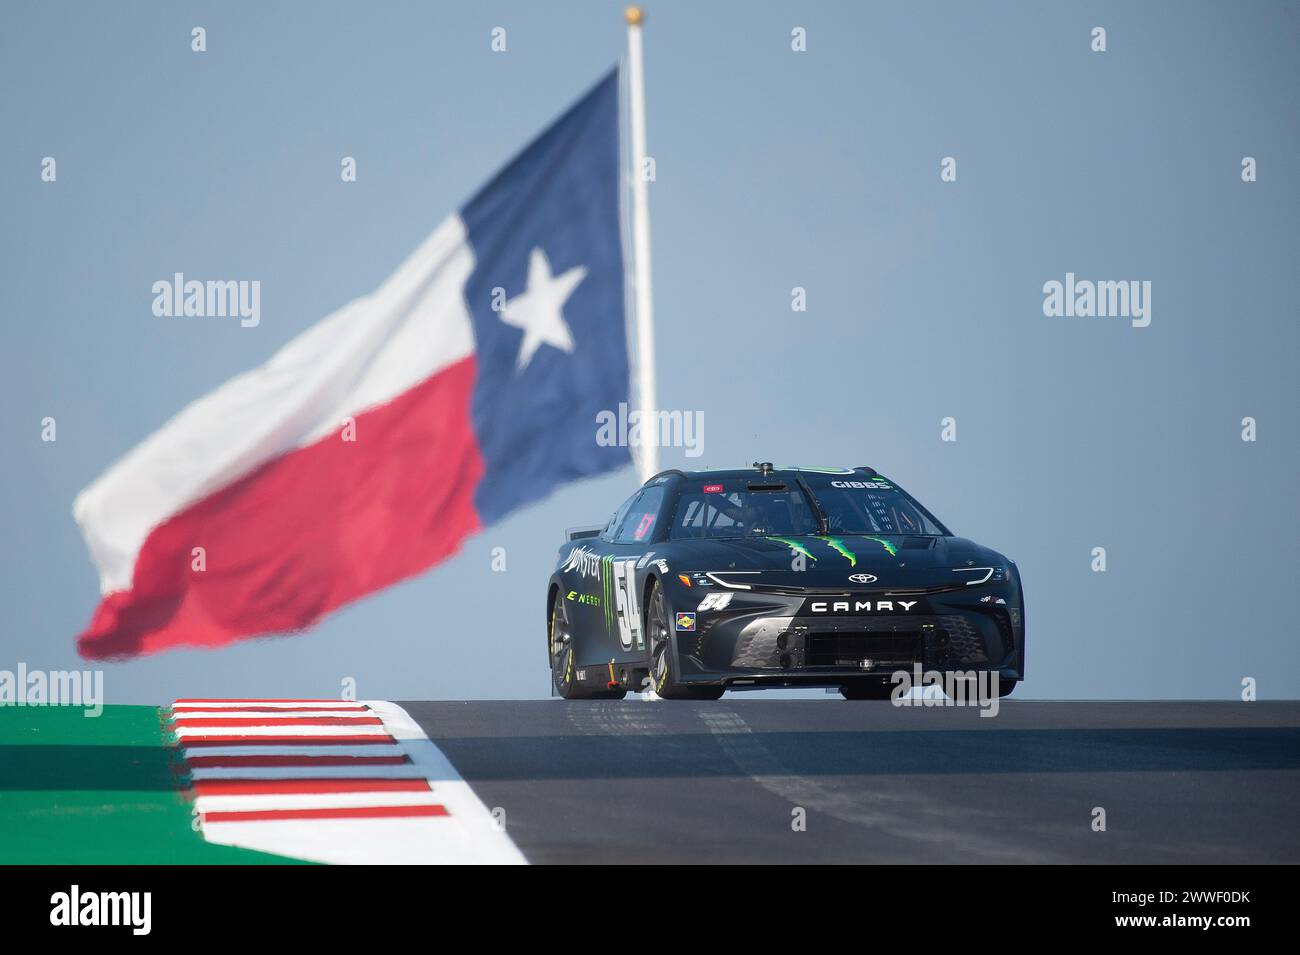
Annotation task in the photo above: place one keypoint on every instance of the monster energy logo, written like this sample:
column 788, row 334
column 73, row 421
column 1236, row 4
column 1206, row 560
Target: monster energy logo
column 583, row 560
column 794, row 546
column 607, row 590
column 893, row 551
column 836, row 544
column 843, row 548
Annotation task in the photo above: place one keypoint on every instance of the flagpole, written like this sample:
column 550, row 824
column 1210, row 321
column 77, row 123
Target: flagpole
column 648, row 458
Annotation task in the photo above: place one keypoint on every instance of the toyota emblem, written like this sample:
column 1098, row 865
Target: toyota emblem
column 862, row 578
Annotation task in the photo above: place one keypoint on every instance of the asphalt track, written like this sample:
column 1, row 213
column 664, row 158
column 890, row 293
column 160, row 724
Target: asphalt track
column 662, row 782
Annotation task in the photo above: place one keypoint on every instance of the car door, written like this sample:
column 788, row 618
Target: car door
column 584, row 573
column 631, row 543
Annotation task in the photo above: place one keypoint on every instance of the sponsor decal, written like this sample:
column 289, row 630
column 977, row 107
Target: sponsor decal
column 620, row 600
column 861, row 606
column 645, row 559
column 580, row 676
column 590, row 600
column 583, row 560
column 836, row 544
column 889, row 547
column 863, row 578
column 643, row 528
column 863, row 485
column 843, row 549
column 685, row 621
column 715, row 601
column 662, row 565
column 795, row 546
column 713, row 489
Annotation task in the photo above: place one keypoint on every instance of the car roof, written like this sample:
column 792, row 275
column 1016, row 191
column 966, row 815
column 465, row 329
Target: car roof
column 752, row 473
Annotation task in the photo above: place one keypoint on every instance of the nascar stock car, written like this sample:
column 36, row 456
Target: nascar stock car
column 706, row 581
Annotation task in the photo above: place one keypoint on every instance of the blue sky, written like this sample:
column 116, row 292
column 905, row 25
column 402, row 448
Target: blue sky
column 775, row 169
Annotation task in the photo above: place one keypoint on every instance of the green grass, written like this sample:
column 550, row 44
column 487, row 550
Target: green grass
column 104, row 790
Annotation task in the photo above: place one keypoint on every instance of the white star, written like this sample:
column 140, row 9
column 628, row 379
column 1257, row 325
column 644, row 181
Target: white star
column 539, row 310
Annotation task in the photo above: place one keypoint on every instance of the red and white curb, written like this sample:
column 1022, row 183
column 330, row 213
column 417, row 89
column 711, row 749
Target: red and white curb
column 330, row 781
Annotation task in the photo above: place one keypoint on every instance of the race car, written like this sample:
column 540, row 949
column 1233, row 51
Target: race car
column 704, row 581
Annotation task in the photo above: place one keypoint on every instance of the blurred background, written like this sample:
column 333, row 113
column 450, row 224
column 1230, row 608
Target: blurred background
column 775, row 169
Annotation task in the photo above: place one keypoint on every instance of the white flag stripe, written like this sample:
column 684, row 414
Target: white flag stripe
column 253, row 717
column 398, row 771
column 313, row 801
column 307, row 729
column 363, row 355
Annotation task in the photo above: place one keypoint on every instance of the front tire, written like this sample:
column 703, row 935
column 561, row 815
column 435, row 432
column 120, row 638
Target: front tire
column 663, row 665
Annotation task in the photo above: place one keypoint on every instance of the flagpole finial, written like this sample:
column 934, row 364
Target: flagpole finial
column 634, row 15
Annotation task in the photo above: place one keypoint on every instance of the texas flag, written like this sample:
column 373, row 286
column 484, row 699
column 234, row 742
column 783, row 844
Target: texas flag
column 370, row 446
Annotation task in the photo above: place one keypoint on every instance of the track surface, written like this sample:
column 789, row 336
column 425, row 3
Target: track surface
column 717, row 782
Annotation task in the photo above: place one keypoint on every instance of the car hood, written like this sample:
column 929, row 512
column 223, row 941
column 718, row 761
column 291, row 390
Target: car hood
column 830, row 562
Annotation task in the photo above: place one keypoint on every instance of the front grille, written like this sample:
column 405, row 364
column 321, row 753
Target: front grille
column 851, row 648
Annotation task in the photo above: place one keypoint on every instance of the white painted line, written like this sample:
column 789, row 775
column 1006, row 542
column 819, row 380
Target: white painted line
column 399, row 771
column 418, row 841
column 248, row 704
column 254, row 715
column 203, row 732
column 305, row 749
column 314, row 801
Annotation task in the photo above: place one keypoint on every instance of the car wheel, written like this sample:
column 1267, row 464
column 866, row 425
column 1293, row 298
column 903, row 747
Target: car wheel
column 663, row 669
column 560, row 644
column 867, row 690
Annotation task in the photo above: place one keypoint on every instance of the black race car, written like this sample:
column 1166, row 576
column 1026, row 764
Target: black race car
column 793, row 577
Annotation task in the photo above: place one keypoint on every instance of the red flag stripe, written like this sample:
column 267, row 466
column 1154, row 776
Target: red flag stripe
column 356, row 812
column 280, row 762
column 370, row 739
column 279, row 721
column 265, row 787
column 358, row 522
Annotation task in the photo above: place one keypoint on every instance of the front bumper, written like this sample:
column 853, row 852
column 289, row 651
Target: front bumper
column 774, row 639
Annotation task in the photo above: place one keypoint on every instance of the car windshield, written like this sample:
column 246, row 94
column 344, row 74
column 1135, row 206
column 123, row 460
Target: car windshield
column 737, row 509
column 856, row 505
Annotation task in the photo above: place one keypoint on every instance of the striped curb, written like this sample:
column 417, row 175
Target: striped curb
column 328, row 781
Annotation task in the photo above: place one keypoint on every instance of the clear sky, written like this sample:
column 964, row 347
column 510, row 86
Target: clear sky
column 775, row 169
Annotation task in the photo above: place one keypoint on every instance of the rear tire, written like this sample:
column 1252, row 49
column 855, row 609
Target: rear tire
column 560, row 646
column 663, row 666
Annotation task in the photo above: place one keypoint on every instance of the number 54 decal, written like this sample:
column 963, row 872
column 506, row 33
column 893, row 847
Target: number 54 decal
column 624, row 611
